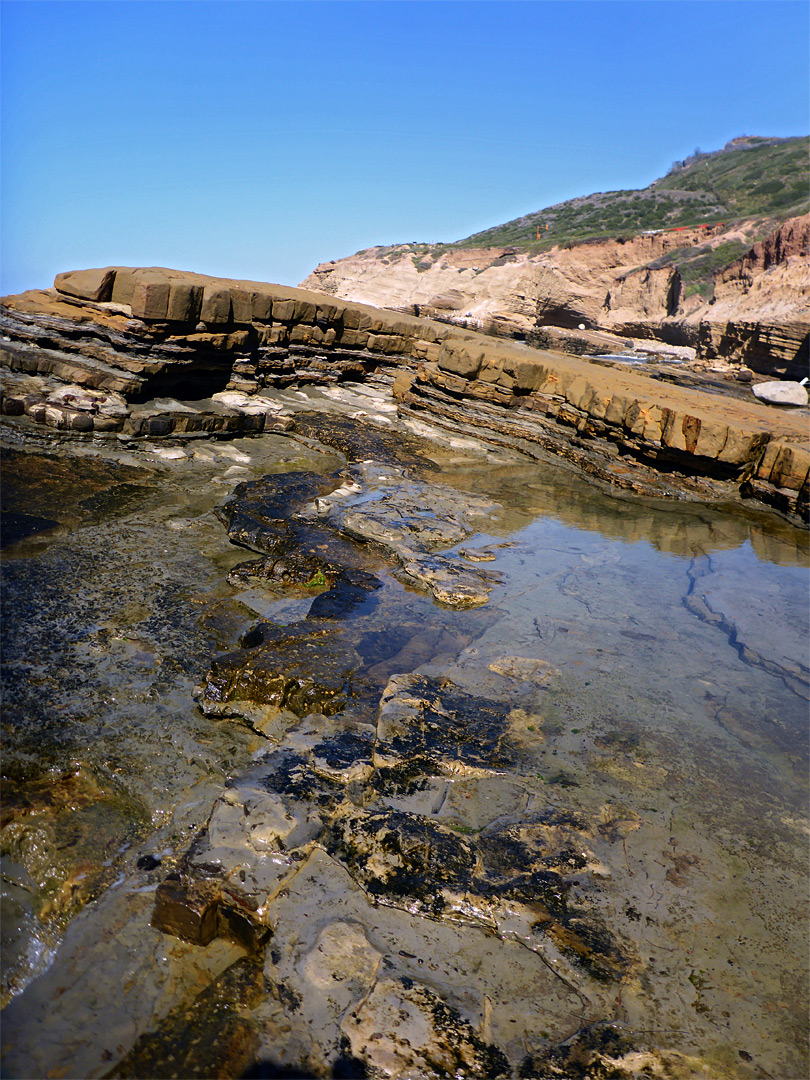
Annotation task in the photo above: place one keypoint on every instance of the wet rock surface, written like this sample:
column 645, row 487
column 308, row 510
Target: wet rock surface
column 108, row 621
column 558, row 833
column 34, row 498
column 414, row 521
column 302, row 668
column 211, row 1037
column 401, row 1029
column 376, row 504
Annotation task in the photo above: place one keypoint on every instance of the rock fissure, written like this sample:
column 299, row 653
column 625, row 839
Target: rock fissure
column 795, row 676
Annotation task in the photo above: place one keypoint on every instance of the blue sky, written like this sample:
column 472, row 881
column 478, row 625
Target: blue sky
column 258, row 139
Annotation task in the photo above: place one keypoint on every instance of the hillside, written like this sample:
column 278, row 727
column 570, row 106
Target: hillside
column 741, row 192
column 674, row 262
column 682, row 288
column 750, row 177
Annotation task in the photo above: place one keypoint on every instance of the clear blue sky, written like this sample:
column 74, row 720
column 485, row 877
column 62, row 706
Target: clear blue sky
column 258, row 139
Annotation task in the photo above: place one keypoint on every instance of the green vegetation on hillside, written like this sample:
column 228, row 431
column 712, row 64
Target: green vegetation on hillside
column 749, row 178
column 750, row 186
column 760, row 177
column 698, row 265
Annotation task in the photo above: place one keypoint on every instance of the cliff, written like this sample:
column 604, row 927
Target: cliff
column 760, row 313
column 758, row 316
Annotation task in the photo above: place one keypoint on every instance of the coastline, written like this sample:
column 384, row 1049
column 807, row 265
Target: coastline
column 375, row 716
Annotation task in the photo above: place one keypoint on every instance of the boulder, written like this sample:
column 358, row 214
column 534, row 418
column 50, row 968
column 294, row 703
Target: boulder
column 781, row 393
column 96, row 285
column 452, row 300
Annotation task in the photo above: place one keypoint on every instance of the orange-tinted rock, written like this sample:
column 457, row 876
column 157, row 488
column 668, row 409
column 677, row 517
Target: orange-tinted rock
column 187, row 909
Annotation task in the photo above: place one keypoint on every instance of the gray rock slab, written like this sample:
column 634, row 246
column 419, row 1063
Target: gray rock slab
column 781, row 393
column 114, row 977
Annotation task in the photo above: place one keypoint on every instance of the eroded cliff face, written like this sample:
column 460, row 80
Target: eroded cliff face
column 507, row 289
column 760, row 314
column 761, row 309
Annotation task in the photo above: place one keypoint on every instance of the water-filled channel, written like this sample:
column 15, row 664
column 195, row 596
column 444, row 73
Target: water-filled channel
column 628, row 718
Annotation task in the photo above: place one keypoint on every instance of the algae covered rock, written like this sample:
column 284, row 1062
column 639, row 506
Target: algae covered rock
column 404, row 1030
column 302, row 668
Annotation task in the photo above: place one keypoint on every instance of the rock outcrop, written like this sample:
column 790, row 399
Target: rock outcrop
column 760, row 314
column 404, row 840
column 508, row 290
column 88, row 366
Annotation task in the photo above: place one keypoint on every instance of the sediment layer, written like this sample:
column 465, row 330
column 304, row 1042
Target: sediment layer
column 92, row 355
column 757, row 314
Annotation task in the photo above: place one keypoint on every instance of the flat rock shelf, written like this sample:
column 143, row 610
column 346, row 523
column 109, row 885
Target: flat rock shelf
column 128, row 353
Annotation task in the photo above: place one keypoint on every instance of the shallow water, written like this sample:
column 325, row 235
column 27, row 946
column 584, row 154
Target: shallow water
column 655, row 661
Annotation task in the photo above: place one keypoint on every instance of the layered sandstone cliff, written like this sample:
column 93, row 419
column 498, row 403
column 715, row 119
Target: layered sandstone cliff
column 108, row 353
column 759, row 315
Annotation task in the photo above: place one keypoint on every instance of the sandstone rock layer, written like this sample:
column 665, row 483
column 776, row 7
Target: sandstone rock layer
column 631, row 287
column 97, row 364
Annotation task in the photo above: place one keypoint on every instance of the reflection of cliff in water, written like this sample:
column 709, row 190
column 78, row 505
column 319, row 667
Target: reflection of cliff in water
column 678, row 529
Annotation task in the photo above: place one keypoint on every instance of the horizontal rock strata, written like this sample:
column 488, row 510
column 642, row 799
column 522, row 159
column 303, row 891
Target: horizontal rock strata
column 760, row 313
column 92, row 354
column 618, row 426
column 161, row 332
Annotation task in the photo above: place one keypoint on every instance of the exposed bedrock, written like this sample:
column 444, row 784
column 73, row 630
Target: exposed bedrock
column 90, row 357
column 373, row 817
column 617, row 426
column 760, row 314
column 631, row 287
